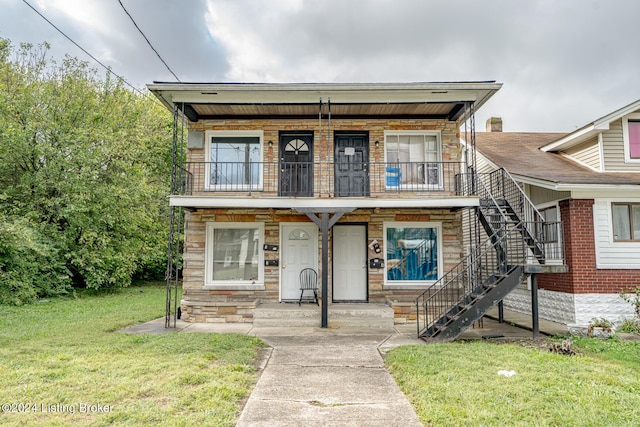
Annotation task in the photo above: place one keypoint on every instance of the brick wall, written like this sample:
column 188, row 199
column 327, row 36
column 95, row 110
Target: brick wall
column 323, row 151
column 204, row 305
column 583, row 276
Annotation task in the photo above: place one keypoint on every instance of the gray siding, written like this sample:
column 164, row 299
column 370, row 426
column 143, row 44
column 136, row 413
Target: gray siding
column 610, row 254
column 587, row 153
column 539, row 195
column 613, row 150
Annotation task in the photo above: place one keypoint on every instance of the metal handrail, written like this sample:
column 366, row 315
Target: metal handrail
column 313, row 179
column 467, row 275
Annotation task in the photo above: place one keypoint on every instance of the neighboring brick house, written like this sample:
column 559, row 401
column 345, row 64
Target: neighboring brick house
column 358, row 181
column 590, row 180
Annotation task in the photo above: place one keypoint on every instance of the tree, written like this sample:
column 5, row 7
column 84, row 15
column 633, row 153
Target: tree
column 84, row 163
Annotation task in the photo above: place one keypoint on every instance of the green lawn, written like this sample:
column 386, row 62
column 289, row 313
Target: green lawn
column 59, row 359
column 458, row 384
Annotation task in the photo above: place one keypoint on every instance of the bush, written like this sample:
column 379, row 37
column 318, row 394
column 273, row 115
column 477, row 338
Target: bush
column 30, row 266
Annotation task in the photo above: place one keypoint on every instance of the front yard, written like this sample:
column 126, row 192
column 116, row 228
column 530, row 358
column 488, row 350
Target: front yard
column 458, row 383
column 63, row 362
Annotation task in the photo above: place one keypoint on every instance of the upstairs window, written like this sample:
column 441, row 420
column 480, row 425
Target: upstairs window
column 413, row 159
column 634, row 139
column 234, row 161
column 631, row 136
column 626, row 221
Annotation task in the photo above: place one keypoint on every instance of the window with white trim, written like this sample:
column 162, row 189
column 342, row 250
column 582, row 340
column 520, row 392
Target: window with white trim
column 412, row 252
column 413, row 159
column 626, row 221
column 631, row 137
column 234, row 160
column 233, row 253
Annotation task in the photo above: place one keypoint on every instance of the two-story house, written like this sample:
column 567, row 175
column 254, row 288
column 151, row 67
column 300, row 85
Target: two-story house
column 590, row 180
column 364, row 183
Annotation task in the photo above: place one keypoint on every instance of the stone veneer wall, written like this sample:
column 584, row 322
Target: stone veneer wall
column 203, row 305
column 573, row 310
column 200, row 305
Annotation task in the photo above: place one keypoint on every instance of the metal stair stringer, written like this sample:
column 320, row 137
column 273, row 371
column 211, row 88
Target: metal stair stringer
column 473, row 306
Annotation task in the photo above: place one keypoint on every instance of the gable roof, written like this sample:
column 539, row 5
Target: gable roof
column 590, row 130
column 302, row 100
column 519, row 154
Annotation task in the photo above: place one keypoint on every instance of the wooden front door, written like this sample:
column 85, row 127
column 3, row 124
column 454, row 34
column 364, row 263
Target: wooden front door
column 351, row 165
column 296, row 164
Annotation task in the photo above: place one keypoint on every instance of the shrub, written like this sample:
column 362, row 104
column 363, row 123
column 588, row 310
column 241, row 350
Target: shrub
column 30, row 265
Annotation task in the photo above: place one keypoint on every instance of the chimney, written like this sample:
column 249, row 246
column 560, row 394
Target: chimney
column 494, row 124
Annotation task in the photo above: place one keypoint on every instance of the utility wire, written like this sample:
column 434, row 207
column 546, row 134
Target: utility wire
column 122, row 79
column 147, row 40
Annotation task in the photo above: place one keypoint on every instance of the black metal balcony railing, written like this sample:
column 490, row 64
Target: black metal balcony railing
column 307, row 179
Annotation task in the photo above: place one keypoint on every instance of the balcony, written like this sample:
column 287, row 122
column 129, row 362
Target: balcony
column 323, row 179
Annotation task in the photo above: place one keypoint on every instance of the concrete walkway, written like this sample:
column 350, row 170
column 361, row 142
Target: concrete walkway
column 336, row 376
column 328, row 378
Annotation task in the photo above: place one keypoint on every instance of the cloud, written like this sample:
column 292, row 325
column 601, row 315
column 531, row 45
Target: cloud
column 563, row 64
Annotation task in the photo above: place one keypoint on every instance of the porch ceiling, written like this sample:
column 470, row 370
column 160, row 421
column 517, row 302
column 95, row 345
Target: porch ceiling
column 355, row 100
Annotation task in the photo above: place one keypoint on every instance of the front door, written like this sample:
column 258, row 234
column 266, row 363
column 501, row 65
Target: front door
column 296, row 164
column 351, row 165
column 299, row 249
column 349, row 263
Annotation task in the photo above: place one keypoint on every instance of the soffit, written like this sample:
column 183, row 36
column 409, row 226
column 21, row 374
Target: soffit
column 201, row 101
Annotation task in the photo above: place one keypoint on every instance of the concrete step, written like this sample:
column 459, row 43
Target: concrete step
column 376, row 316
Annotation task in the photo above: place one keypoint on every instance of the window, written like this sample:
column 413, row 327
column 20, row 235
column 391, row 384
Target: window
column 626, row 221
column 233, row 254
column 412, row 252
column 631, row 136
column 550, row 231
column 634, row 139
column 413, row 159
column 234, row 160
column 552, row 235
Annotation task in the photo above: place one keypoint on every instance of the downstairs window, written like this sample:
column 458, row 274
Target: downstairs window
column 412, row 251
column 626, row 221
column 233, row 254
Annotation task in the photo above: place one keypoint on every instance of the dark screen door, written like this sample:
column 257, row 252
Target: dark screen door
column 351, row 165
column 296, row 165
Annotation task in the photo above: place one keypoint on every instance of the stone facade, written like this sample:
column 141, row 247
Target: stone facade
column 234, row 304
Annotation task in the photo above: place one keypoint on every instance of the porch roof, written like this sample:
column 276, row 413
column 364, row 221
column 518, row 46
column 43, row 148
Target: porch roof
column 203, row 101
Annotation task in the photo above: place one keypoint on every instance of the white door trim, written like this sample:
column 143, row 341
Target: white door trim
column 358, row 263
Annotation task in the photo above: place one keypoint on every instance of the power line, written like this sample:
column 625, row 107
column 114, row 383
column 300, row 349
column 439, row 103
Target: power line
column 147, row 40
column 122, row 79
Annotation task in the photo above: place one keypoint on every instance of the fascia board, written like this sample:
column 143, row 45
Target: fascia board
column 573, row 187
column 286, row 203
column 597, row 126
column 576, row 137
column 311, row 93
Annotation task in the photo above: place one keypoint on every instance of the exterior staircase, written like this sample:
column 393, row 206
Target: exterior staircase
column 519, row 242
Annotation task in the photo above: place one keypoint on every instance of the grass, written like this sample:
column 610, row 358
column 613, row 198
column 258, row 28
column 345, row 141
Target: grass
column 59, row 357
column 458, row 384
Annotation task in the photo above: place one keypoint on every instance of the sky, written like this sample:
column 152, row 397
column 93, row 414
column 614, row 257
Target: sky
column 562, row 63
